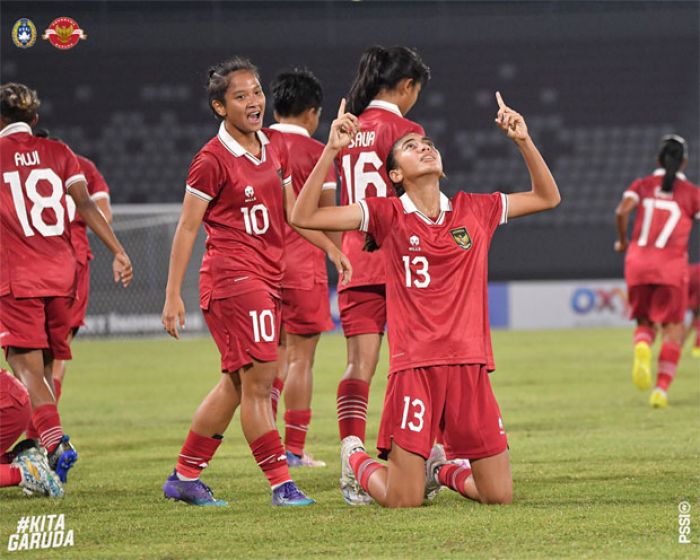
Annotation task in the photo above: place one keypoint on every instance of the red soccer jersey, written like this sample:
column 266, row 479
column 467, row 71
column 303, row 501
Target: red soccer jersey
column 245, row 219
column 35, row 246
column 304, row 263
column 98, row 189
column 437, row 275
column 658, row 253
column 362, row 168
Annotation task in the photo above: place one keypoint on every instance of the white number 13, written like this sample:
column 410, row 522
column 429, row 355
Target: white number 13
column 418, row 413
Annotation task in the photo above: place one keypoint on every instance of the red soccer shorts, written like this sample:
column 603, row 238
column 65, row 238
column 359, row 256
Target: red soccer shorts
column 694, row 287
column 659, row 303
column 36, row 323
column 306, row 311
column 455, row 399
column 82, row 291
column 363, row 310
column 15, row 410
column 245, row 327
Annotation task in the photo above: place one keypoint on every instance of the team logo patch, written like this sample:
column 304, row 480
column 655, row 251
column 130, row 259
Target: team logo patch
column 24, row 33
column 249, row 193
column 414, row 240
column 462, row 238
column 64, row 33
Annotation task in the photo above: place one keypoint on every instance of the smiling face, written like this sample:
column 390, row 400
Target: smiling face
column 413, row 156
column 244, row 102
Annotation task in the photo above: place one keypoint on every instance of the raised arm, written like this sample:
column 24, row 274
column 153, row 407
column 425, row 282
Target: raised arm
column 193, row 209
column 622, row 217
column 307, row 213
column 544, row 194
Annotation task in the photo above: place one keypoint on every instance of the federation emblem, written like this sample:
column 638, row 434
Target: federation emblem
column 64, row 33
column 249, row 193
column 24, row 33
column 462, row 238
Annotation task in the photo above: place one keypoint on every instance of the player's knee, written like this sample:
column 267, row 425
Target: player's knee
column 403, row 502
column 501, row 496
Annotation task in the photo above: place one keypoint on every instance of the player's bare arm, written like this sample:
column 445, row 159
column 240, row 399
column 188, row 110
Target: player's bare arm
column 319, row 239
column 306, row 212
column 622, row 216
column 96, row 221
column 193, row 209
column 545, row 193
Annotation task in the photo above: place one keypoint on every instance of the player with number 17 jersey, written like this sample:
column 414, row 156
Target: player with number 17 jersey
column 363, row 175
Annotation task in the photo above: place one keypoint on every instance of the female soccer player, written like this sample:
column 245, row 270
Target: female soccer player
column 297, row 96
column 436, row 257
column 387, row 85
column 694, row 306
column 37, row 262
column 239, row 185
column 656, row 264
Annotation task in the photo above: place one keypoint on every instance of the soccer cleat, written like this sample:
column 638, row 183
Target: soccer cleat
column 37, row 476
column 305, row 460
column 193, row 492
column 435, row 461
column 62, row 458
column 353, row 494
column 695, row 352
column 641, row 369
column 288, row 494
column 658, row 398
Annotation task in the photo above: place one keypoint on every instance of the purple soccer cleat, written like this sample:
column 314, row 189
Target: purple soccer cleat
column 193, row 492
column 288, row 494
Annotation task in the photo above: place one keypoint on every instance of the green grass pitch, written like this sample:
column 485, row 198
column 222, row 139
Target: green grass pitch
column 597, row 472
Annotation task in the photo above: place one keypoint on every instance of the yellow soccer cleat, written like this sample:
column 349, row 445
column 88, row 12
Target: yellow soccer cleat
column 641, row 370
column 695, row 352
column 658, row 399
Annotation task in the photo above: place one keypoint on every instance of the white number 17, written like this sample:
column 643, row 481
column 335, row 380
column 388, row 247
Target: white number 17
column 670, row 206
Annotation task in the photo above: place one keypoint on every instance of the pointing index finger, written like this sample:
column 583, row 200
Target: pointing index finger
column 499, row 100
column 341, row 109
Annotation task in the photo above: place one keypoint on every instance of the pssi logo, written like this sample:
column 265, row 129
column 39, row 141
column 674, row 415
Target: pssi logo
column 585, row 301
column 24, row 33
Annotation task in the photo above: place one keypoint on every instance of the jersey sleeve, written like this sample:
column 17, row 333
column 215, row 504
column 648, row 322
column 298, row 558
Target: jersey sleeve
column 72, row 172
column 331, row 181
column 204, row 179
column 97, row 186
column 285, row 164
column 491, row 210
column 633, row 191
column 377, row 217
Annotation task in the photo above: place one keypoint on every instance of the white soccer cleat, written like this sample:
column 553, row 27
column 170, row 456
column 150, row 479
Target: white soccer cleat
column 353, row 494
column 436, row 459
column 37, row 476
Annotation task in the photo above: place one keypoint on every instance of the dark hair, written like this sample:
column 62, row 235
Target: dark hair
column 18, row 103
column 671, row 156
column 382, row 68
column 217, row 83
column 294, row 91
column 370, row 243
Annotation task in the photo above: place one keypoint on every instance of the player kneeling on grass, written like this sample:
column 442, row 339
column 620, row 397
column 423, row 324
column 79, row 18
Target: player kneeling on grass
column 436, row 256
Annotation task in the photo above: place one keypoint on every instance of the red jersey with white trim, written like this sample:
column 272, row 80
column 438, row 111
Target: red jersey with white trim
column 98, row 189
column 304, row 263
column 245, row 218
column 362, row 166
column 437, row 276
column 37, row 258
column 658, row 252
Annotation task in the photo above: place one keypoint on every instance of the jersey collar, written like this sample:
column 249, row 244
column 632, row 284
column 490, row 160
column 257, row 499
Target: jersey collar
column 232, row 145
column 385, row 105
column 409, row 208
column 291, row 129
column 662, row 171
column 15, row 128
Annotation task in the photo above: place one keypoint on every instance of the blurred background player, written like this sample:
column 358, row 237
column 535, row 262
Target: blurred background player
column 99, row 193
column 385, row 88
column 656, row 263
column 436, row 255
column 26, row 465
column 297, row 97
column 694, row 307
column 37, row 261
column 239, row 185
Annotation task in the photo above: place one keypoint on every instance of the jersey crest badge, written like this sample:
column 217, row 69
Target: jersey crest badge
column 24, row 33
column 462, row 238
column 64, row 33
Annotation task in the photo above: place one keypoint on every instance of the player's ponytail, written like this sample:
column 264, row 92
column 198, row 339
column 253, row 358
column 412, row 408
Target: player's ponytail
column 671, row 157
column 382, row 69
column 217, row 81
column 18, row 103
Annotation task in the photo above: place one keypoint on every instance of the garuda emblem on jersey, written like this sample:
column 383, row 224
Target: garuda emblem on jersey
column 462, row 238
